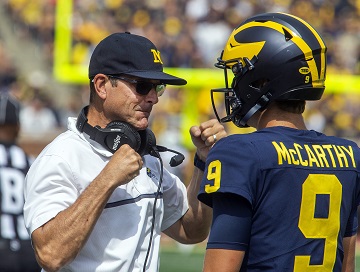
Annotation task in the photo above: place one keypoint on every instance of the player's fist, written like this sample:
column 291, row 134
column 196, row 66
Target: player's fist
column 205, row 136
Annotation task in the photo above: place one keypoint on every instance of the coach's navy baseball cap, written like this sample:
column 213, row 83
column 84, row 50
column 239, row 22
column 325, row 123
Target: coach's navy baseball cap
column 130, row 54
column 9, row 110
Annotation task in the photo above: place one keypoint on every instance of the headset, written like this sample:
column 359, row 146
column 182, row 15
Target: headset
column 118, row 133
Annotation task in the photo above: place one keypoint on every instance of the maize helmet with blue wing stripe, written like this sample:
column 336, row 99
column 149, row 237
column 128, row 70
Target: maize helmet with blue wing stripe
column 273, row 56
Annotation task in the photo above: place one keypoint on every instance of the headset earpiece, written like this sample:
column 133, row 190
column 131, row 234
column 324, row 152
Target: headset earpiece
column 119, row 133
column 116, row 134
column 148, row 142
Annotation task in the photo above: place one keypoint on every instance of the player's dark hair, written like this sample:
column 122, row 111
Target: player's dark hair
column 292, row 106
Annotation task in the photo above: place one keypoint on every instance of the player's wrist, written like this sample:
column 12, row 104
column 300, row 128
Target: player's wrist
column 198, row 163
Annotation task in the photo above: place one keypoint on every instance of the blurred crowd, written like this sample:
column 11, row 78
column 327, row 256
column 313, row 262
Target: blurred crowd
column 189, row 34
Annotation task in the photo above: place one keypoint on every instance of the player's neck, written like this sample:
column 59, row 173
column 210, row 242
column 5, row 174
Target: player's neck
column 284, row 123
column 275, row 118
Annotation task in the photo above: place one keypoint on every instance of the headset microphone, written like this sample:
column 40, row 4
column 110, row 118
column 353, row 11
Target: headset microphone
column 176, row 160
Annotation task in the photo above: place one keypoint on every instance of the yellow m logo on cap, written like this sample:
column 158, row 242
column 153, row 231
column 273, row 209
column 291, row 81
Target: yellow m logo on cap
column 156, row 54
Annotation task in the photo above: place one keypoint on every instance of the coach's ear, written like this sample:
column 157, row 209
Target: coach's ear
column 99, row 82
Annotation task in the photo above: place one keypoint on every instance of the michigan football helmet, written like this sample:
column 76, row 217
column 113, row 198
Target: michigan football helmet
column 272, row 56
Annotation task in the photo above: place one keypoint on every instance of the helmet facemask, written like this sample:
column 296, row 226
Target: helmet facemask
column 232, row 103
column 232, row 99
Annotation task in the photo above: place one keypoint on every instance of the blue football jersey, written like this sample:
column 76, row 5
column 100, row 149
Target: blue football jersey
column 303, row 188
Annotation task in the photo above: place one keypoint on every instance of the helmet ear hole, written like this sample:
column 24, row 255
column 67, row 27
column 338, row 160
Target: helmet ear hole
column 260, row 83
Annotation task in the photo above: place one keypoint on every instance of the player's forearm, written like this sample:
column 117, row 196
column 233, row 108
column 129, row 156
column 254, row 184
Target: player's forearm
column 223, row 260
column 58, row 241
column 349, row 244
column 197, row 220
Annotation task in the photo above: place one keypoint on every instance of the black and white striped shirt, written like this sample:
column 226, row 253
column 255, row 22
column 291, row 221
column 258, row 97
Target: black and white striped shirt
column 17, row 254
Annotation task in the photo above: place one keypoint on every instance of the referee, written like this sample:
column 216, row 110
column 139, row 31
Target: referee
column 16, row 252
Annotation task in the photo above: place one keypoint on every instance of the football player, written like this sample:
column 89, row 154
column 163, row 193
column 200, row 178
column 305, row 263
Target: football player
column 284, row 198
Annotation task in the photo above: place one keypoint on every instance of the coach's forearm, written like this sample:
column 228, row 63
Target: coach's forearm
column 194, row 226
column 198, row 219
column 196, row 222
column 57, row 242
